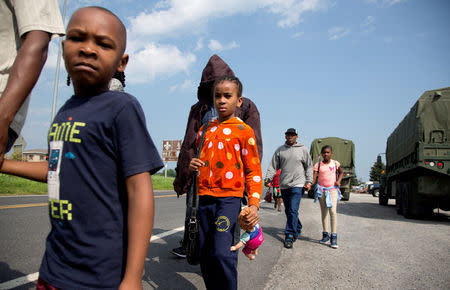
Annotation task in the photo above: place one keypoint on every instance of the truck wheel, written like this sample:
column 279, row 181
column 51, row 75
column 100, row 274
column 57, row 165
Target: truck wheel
column 406, row 204
column 376, row 193
column 383, row 199
column 345, row 195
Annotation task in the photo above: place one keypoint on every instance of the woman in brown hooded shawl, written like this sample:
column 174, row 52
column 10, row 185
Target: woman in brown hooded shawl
column 248, row 113
column 201, row 112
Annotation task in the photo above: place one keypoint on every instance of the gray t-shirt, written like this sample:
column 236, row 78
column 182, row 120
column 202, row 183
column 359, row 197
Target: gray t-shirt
column 295, row 164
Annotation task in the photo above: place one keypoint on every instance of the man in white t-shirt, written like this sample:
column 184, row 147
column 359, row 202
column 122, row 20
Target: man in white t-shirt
column 26, row 28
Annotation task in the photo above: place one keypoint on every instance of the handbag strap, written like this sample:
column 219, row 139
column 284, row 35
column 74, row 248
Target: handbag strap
column 202, row 139
column 318, row 170
column 193, row 190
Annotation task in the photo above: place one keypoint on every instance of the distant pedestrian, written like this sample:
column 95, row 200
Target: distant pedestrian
column 276, row 192
column 296, row 175
column 328, row 175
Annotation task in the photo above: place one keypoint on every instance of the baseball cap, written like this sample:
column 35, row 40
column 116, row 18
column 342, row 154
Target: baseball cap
column 291, row 131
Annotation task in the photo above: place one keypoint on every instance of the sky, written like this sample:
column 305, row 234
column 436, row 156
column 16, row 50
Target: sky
column 349, row 69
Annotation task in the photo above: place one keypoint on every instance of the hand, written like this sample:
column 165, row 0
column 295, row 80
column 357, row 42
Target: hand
column 249, row 216
column 237, row 246
column 338, row 183
column 307, row 186
column 196, row 164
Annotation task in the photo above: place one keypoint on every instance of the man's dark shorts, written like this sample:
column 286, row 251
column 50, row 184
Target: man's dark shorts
column 12, row 137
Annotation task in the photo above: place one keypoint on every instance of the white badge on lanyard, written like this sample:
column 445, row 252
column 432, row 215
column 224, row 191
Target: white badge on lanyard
column 54, row 164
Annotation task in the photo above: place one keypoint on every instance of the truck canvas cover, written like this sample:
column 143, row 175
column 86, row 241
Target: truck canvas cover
column 428, row 121
column 343, row 150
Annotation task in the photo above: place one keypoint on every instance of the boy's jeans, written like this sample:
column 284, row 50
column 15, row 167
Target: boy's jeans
column 291, row 199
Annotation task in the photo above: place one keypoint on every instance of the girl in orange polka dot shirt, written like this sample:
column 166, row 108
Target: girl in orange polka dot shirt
column 228, row 160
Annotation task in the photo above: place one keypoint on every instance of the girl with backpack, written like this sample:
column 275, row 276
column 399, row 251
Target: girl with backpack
column 328, row 175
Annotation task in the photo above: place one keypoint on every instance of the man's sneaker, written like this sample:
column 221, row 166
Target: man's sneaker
column 325, row 238
column 288, row 241
column 179, row 252
column 297, row 236
column 333, row 242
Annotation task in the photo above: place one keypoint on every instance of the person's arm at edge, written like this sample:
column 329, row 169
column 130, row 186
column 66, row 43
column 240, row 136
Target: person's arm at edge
column 24, row 74
column 341, row 174
column 314, row 177
column 272, row 169
column 140, row 225
column 308, row 165
column 31, row 170
column 182, row 181
column 254, row 121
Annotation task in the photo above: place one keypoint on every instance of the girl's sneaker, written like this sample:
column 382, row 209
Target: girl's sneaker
column 333, row 242
column 325, row 238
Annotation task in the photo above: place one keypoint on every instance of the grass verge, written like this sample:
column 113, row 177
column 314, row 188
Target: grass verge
column 161, row 183
column 21, row 186
column 16, row 185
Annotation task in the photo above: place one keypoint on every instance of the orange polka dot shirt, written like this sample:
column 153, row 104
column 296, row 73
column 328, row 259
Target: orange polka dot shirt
column 231, row 160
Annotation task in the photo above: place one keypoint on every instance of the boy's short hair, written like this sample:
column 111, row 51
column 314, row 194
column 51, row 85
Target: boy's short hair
column 229, row 78
column 122, row 26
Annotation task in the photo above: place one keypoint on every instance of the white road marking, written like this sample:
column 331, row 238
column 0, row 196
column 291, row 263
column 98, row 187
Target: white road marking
column 20, row 281
column 33, row 277
column 165, row 234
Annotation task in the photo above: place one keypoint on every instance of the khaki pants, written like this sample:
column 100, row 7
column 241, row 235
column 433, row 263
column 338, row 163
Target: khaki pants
column 332, row 211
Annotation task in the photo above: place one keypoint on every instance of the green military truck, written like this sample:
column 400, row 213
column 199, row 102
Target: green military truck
column 418, row 158
column 344, row 153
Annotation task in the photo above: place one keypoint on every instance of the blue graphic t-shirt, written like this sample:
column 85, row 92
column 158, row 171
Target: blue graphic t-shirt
column 95, row 143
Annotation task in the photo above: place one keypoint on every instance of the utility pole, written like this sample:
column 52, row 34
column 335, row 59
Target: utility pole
column 58, row 63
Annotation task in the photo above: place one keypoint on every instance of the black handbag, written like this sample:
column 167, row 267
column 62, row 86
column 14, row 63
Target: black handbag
column 192, row 245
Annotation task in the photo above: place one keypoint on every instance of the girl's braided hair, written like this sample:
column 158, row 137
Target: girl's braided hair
column 232, row 79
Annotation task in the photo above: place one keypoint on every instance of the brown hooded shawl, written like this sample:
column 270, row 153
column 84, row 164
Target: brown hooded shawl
column 248, row 112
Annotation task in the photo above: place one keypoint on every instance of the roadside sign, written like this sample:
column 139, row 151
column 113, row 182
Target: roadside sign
column 171, row 150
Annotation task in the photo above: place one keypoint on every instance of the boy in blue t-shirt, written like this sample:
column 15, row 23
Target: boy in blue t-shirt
column 100, row 160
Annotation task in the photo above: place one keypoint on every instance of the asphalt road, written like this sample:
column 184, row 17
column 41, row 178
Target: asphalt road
column 377, row 248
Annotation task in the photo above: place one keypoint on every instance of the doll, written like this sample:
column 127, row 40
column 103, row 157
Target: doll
column 252, row 238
